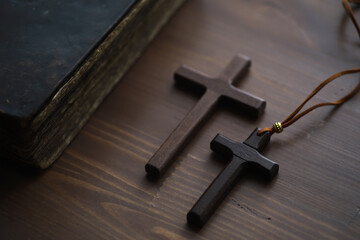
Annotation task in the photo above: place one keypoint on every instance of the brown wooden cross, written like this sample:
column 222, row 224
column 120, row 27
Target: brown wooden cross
column 216, row 90
column 242, row 156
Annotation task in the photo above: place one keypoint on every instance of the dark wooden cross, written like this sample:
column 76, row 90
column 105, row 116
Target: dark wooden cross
column 216, row 90
column 242, row 155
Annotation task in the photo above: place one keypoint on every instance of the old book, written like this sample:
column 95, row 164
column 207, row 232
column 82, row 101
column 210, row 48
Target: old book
column 58, row 60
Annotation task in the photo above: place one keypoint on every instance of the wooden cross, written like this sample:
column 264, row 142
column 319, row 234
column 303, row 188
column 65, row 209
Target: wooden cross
column 216, row 89
column 242, row 155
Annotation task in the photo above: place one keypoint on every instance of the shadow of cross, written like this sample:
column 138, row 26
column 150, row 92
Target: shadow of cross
column 242, row 155
column 216, row 89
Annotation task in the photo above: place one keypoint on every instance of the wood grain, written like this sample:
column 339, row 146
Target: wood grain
column 98, row 188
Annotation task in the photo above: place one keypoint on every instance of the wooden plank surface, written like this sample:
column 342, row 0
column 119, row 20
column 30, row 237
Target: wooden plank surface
column 98, row 189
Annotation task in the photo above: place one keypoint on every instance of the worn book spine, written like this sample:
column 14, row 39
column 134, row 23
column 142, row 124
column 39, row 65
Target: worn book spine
column 39, row 142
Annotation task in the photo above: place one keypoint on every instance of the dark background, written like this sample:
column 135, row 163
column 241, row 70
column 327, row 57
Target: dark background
column 98, row 189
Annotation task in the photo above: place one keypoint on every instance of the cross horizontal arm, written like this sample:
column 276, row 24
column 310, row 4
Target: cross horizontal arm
column 227, row 147
column 244, row 101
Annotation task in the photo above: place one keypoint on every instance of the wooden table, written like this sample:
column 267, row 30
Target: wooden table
column 98, row 189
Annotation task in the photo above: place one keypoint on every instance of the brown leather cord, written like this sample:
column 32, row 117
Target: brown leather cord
column 349, row 10
column 294, row 116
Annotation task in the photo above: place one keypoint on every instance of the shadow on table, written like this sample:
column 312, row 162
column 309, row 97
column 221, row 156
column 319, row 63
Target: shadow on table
column 14, row 176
